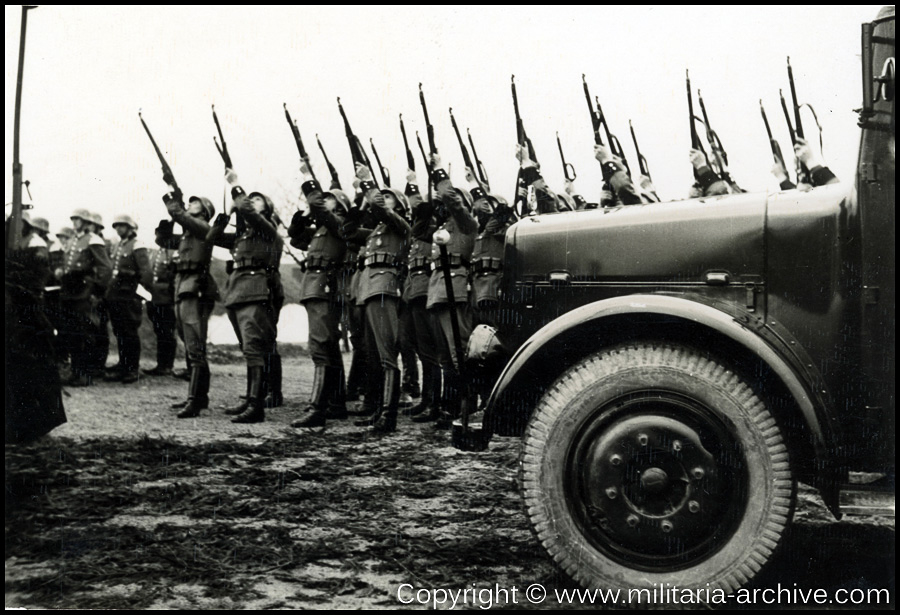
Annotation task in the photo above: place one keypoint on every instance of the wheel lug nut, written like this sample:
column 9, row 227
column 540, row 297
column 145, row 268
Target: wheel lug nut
column 632, row 520
column 666, row 526
column 697, row 473
column 676, row 445
column 611, row 493
column 694, row 506
column 615, row 460
column 643, row 439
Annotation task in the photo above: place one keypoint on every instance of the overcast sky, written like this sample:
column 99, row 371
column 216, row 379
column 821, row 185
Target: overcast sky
column 89, row 69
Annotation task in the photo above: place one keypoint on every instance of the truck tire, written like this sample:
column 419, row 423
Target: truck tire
column 652, row 466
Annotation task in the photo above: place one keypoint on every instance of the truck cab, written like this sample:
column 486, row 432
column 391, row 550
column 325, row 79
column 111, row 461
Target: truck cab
column 674, row 369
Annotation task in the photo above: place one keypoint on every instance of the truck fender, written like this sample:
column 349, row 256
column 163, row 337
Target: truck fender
column 812, row 405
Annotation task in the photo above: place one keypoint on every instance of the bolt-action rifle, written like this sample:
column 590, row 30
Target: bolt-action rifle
column 568, row 169
column 335, row 181
column 716, row 147
column 410, row 160
column 482, row 172
column 385, row 174
column 776, row 148
column 356, row 149
column 467, row 160
column 296, row 132
column 642, row 162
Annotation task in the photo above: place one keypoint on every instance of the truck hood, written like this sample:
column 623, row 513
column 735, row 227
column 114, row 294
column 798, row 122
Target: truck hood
column 674, row 242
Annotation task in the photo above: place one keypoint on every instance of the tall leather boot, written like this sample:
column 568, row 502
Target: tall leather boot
column 372, row 400
column 241, row 407
column 198, row 395
column 255, row 412
column 355, row 377
column 274, row 398
column 335, row 393
column 315, row 413
column 451, row 400
column 387, row 422
column 430, row 408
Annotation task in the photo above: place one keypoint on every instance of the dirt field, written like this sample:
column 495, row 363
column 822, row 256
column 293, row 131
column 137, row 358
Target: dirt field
column 127, row 507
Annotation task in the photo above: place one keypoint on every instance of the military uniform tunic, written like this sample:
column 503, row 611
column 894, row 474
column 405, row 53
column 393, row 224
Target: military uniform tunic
column 130, row 267
column 161, row 308
column 85, row 274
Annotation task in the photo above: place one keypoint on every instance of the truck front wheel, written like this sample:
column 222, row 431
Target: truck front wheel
column 651, row 464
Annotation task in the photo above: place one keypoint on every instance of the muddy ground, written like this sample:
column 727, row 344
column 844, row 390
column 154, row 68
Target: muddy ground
column 127, row 507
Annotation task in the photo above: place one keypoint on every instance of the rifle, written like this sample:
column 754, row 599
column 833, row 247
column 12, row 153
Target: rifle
column 642, row 162
column 336, row 183
column 410, row 161
column 776, row 149
column 168, row 177
column 385, row 174
column 482, row 172
column 356, row 149
column 428, row 127
column 695, row 137
column 520, row 204
column 296, row 132
column 567, row 167
column 521, row 135
column 223, row 149
column 465, row 152
column 715, row 144
column 428, row 168
column 614, row 146
column 798, row 125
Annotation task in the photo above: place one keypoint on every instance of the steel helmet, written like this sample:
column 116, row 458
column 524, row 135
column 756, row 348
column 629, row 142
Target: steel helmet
column 96, row 219
column 81, row 214
column 126, row 220
column 341, row 197
column 402, row 201
column 208, row 207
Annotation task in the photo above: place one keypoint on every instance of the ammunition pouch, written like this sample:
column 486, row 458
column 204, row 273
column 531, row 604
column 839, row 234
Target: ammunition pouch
column 487, row 264
column 455, row 261
column 380, row 259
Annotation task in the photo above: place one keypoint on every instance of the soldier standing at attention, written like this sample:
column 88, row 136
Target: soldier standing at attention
column 130, row 267
column 195, row 290
column 100, row 344
column 321, row 295
column 379, row 289
column 453, row 216
column 161, row 307
column 415, row 292
column 249, row 292
column 51, row 299
column 83, row 276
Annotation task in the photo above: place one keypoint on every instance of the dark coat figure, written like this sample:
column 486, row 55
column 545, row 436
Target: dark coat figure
column 33, row 394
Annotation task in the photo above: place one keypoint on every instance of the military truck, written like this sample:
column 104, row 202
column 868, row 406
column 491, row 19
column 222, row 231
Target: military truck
column 677, row 368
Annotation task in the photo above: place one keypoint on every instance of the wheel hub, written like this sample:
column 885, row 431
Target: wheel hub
column 655, row 487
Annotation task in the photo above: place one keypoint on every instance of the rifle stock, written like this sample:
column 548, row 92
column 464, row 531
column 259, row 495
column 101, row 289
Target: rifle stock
column 429, row 129
column 356, row 149
column 482, row 171
column 568, row 169
column 642, row 161
column 168, row 177
column 304, row 156
column 385, row 174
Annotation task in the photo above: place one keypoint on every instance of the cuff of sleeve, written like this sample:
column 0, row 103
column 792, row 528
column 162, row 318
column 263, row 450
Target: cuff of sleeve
column 366, row 185
column 706, row 177
column 821, row 175
column 787, row 185
column 609, row 168
column 477, row 193
column 580, row 202
column 439, row 175
column 237, row 191
column 530, row 175
column 310, row 186
column 411, row 190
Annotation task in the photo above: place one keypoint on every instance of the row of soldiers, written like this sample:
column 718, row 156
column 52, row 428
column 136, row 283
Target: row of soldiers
column 372, row 270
